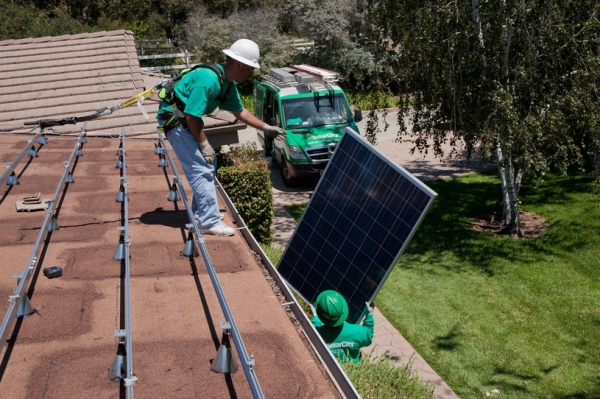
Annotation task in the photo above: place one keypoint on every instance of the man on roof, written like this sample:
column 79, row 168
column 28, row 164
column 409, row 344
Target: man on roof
column 198, row 93
column 343, row 339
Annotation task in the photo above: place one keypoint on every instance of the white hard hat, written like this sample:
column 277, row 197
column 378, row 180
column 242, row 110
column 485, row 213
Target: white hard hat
column 244, row 51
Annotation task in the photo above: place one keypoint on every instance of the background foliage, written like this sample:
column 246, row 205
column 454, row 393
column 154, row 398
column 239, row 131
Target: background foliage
column 246, row 178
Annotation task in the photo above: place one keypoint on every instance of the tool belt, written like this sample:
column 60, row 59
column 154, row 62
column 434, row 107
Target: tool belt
column 172, row 121
column 176, row 117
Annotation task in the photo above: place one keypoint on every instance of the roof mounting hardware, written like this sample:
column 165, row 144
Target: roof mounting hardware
column 174, row 194
column 225, row 362
column 163, row 162
column 12, row 180
column 53, row 225
column 117, row 371
column 190, row 249
column 121, row 194
column 120, row 251
column 119, row 164
column 25, row 309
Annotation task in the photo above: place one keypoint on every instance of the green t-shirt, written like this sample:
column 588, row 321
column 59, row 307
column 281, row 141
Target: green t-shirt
column 346, row 340
column 199, row 89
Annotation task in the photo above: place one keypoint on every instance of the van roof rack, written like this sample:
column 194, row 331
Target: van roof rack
column 313, row 78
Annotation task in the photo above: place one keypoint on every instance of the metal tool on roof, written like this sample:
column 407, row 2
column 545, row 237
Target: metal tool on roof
column 32, row 202
column 52, row 271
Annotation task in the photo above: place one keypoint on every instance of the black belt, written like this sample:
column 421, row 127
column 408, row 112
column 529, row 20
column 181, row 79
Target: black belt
column 167, row 116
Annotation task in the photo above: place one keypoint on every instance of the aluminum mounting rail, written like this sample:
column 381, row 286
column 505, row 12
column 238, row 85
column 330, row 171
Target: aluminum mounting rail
column 17, row 297
column 247, row 361
column 130, row 378
column 10, row 166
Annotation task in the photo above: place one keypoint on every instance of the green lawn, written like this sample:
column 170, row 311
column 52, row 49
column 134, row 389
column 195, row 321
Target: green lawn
column 489, row 312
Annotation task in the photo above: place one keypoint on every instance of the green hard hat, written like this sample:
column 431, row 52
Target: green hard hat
column 331, row 308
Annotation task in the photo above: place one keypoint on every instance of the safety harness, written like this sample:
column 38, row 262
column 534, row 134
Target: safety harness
column 167, row 93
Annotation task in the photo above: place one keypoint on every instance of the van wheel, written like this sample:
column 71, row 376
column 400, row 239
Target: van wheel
column 286, row 174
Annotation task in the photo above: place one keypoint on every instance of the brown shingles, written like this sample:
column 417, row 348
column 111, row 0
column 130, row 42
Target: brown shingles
column 73, row 75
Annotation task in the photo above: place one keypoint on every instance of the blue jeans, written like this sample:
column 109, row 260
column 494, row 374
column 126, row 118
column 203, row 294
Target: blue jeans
column 199, row 173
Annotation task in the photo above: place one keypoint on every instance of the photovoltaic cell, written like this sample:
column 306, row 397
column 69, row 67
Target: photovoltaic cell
column 360, row 218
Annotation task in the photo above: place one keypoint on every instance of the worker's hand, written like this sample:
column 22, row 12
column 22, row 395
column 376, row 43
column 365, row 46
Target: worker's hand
column 369, row 308
column 207, row 152
column 273, row 131
column 312, row 309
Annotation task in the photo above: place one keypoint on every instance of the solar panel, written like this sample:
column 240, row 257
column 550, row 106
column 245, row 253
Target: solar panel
column 360, row 218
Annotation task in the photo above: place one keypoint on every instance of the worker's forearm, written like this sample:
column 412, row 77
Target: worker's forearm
column 195, row 127
column 249, row 119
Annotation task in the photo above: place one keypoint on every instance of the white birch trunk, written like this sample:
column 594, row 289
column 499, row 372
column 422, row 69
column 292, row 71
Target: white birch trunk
column 511, row 205
column 506, row 210
column 477, row 20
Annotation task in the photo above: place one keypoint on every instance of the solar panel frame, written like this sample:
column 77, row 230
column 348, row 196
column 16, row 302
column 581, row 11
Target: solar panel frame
column 334, row 246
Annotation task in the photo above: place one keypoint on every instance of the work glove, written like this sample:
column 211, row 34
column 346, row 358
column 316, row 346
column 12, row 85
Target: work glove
column 312, row 309
column 273, row 131
column 207, row 152
column 369, row 308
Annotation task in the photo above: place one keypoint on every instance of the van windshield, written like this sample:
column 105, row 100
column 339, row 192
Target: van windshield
column 301, row 113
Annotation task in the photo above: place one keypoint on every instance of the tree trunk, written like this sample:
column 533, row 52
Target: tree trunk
column 477, row 20
column 506, row 209
column 515, row 223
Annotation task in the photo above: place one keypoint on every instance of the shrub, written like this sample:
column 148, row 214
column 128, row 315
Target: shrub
column 246, row 178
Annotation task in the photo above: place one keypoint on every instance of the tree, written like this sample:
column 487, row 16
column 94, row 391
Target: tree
column 208, row 34
column 519, row 81
column 337, row 30
column 166, row 16
column 28, row 21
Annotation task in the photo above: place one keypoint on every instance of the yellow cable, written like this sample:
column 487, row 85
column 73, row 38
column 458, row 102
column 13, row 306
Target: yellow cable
column 135, row 99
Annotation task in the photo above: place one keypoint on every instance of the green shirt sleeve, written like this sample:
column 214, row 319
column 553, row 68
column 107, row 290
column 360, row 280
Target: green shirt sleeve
column 316, row 321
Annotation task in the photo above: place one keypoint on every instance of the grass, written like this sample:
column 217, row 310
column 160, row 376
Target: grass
column 379, row 378
column 490, row 312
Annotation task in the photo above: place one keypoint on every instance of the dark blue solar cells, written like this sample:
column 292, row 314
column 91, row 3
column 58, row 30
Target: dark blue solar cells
column 357, row 223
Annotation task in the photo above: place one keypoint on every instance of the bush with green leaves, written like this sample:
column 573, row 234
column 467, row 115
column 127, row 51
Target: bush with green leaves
column 246, row 178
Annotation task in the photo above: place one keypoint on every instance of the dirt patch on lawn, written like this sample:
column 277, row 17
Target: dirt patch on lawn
column 532, row 225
